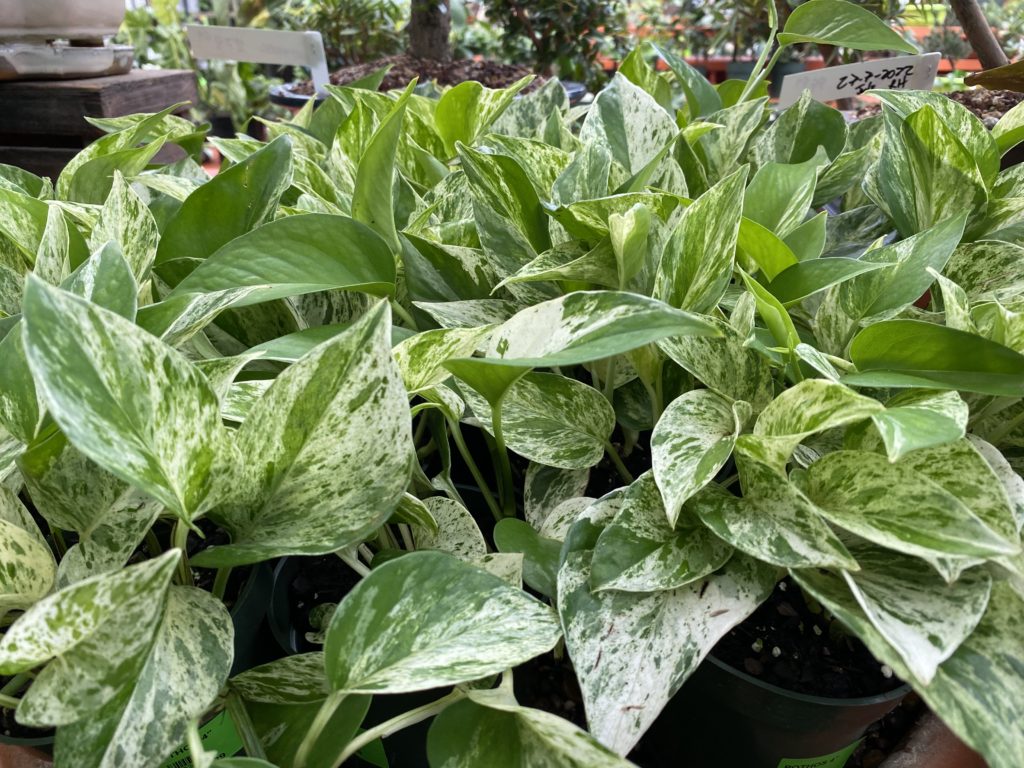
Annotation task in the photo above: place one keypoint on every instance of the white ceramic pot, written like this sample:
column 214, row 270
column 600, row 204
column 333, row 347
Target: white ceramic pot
column 41, row 20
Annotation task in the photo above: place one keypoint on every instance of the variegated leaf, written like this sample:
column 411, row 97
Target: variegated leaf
column 988, row 270
column 126, row 400
column 426, row 620
column 177, row 319
column 106, row 280
column 545, row 488
column 589, row 325
column 184, row 667
column 56, row 253
column 812, row 406
column 640, row 551
column 420, row 358
column 297, row 679
column 456, row 531
column 27, row 568
column 626, row 120
column 724, row 364
column 697, row 263
column 920, row 419
column 557, row 524
column 525, row 116
column 773, row 521
column 897, row 507
column 922, row 617
column 780, row 194
column 691, row 442
column 467, row 110
column 125, row 220
column 490, row 730
column 632, row 652
column 470, row 313
column 551, row 419
column 325, row 453
column 1012, row 483
column 21, row 410
column 722, row 151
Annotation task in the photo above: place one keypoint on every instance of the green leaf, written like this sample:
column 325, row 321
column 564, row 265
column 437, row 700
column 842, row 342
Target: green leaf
column 640, row 551
column 798, row 133
column 628, row 675
column 488, row 730
column 23, row 221
column 773, row 521
column 585, row 178
column 638, row 71
column 588, row 325
column 916, row 420
column 106, row 280
column 551, row 419
column 812, row 406
column 922, row 617
column 1009, row 130
column 27, row 568
column 701, row 97
column 527, row 114
column 768, row 252
column 127, row 401
column 373, row 201
column 988, row 269
column 540, row 554
column 467, row 110
column 295, row 255
column 325, row 453
column 780, row 194
column 93, row 180
column 806, row 278
column 629, row 123
column 21, row 411
column 425, row 620
column 807, row 241
column 912, row 353
column 722, row 151
column 629, row 233
column 897, row 507
column 697, row 263
column 724, row 364
column 244, row 196
column 127, row 221
column 842, row 24
column 691, row 442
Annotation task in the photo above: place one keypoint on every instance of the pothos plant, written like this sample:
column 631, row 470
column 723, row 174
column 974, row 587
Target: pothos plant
column 298, row 356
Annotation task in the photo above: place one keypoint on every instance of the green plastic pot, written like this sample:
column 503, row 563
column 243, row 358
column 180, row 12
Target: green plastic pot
column 733, row 719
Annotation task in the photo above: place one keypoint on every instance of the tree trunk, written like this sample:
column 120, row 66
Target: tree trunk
column 429, row 28
column 979, row 33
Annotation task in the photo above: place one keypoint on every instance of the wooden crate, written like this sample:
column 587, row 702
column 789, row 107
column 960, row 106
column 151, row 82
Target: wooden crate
column 41, row 121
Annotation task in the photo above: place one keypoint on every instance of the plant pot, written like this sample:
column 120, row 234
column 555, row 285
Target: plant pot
column 733, row 719
column 247, row 616
column 22, row 756
column 43, row 20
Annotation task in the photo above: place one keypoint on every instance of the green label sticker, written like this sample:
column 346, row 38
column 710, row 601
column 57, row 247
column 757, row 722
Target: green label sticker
column 835, row 760
column 218, row 735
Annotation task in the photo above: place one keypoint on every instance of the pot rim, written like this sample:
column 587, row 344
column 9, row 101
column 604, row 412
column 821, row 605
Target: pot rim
column 824, row 701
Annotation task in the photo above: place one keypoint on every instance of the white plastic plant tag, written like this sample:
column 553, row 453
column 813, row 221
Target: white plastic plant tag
column 900, row 72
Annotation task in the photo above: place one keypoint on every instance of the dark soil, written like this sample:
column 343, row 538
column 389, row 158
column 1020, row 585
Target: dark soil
column 787, row 644
column 324, row 579
column 404, row 68
column 989, row 106
column 11, row 728
column 550, row 684
column 887, row 734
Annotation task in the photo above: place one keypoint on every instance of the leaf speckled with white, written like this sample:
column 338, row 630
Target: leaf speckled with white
column 126, row 400
column 127, row 221
column 298, row 679
column 640, row 551
column 326, row 452
column 456, row 531
column 427, row 619
column 692, row 441
column 420, row 358
column 632, row 652
column 544, row 488
column 27, row 569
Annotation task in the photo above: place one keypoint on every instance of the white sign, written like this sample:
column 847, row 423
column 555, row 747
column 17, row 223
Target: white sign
column 901, row 72
column 261, row 46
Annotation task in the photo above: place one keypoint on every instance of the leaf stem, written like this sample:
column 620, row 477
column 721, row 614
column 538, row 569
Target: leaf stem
column 244, row 725
column 508, row 499
column 613, row 454
column 404, row 315
column 220, row 582
column 395, row 724
column 996, row 435
column 323, row 717
column 153, row 544
column 354, row 563
column 15, row 684
column 179, row 539
column 9, row 702
column 485, row 489
column 58, row 541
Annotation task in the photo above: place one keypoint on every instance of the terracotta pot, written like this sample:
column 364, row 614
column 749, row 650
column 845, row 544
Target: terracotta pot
column 932, row 745
column 12, row 756
column 42, row 20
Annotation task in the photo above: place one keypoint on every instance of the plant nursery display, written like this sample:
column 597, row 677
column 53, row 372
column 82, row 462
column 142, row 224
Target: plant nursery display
column 534, row 413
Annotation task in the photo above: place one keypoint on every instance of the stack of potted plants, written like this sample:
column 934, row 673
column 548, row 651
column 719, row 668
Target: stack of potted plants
column 587, row 403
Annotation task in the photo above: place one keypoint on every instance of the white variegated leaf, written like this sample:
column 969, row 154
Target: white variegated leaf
column 920, row 615
column 917, row 419
column 126, row 220
column 897, row 507
column 126, row 400
column 507, row 566
column 557, row 524
column 989, row 269
column 551, row 419
column 27, row 568
column 545, row 488
column 471, row 313
column 773, row 521
column 640, row 551
column 632, row 652
column 297, row 679
column 457, row 532
column 426, row 620
column 325, row 453
column 420, row 358
column 241, row 397
column 492, row 729
column 691, row 442
column 1012, row 483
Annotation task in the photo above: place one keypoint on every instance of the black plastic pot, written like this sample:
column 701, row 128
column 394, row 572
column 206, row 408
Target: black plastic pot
column 247, row 616
column 724, row 717
column 42, row 743
column 279, row 612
